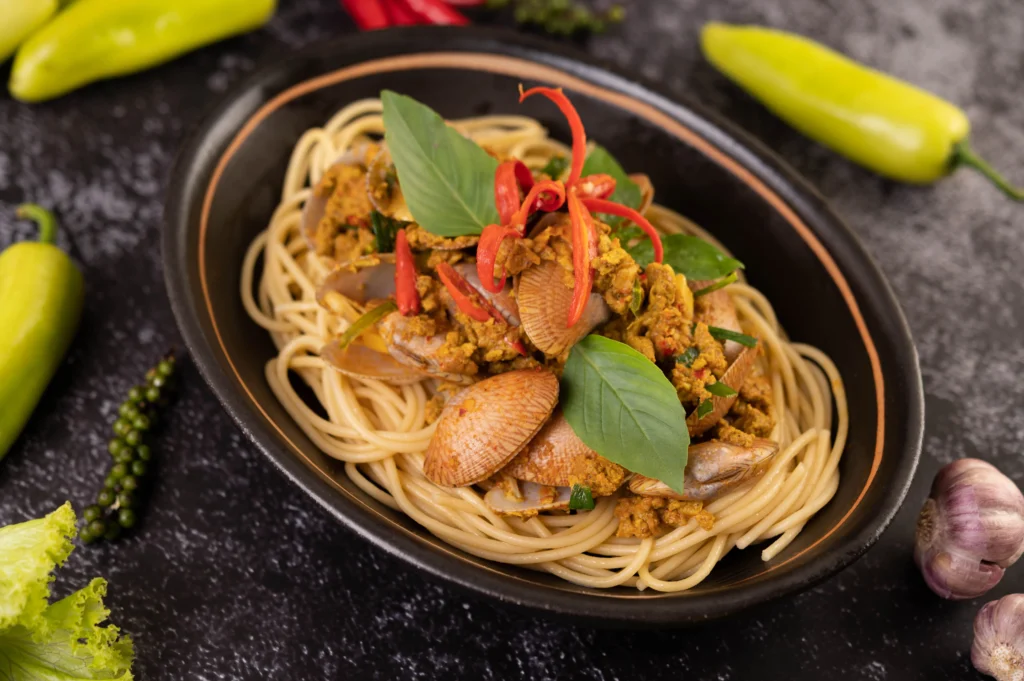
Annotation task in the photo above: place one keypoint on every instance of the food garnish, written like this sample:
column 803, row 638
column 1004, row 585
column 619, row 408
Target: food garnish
column 385, row 229
column 970, row 530
column 555, row 167
column 57, row 641
column 581, row 498
column 118, row 503
column 406, row 296
column 884, row 124
column 720, row 390
column 727, row 335
column 622, row 406
column 41, row 297
column 688, row 355
column 601, row 162
column 688, row 255
column 720, row 284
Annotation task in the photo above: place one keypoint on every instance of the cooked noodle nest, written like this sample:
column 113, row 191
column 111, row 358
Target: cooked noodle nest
column 380, row 431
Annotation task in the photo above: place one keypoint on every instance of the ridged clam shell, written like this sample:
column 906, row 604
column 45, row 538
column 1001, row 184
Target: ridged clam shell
column 734, row 377
column 420, row 352
column 712, row 469
column 360, row 361
column 487, row 424
column 499, row 503
column 544, row 302
column 551, row 455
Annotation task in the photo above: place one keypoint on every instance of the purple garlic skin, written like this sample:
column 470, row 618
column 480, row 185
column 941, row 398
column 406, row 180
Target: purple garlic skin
column 998, row 648
column 970, row 530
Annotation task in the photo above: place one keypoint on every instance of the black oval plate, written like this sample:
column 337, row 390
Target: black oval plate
column 826, row 289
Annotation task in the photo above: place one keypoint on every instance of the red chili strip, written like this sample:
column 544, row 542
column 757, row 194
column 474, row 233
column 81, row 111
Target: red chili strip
column 598, row 186
column 579, row 135
column 612, row 208
column 406, row 296
column 368, row 14
column 401, row 15
column 487, row 254
column 461, row 292
column 547, row 195
column 434, row 12
column 465, row 3
column 506, row 191
column 524, row 176
column 582, row 244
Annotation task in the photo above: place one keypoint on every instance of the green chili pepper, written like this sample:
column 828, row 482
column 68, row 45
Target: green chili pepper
column 22, row 18
column 882, row 123
column 41, row 294
column 363, row 324
column 96, row 39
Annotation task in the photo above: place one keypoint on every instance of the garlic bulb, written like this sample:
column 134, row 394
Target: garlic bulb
column 998, row 648
column 970, row 529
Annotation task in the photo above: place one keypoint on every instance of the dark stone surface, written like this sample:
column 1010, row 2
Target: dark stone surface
column 237, row 575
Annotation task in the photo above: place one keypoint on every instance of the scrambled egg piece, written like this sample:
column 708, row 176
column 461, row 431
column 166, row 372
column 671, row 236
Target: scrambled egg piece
column 652, row 516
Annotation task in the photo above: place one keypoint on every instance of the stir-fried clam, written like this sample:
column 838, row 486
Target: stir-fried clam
column 359, row 361
column 734, row 377
column 713, row 468
column 426, row 353
column 544, row 302
column 383, row 189
column 533, row 497
column 370, row 277
column 551, row 456
column 315, row 207
column 503, row 301
column 483, row 427
column 717, row 309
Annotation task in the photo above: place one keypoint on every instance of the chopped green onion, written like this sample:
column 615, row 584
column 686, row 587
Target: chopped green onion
column 365, row 322
column 704, row 408
column 688, row 357
column 384, row 231
column 555, row 167
column 719, row 389
column 638, row 297
column 727, row 335
column 580, row 498
column 721, row 283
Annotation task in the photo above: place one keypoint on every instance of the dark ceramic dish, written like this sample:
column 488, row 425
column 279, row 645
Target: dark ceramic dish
column 825, row 288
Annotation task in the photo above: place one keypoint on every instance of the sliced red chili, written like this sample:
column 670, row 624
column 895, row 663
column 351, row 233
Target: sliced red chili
column 506, row 191
column 579, row 135
column 546, row 195
column 487, row 254
column 524, row 176
column 461, row 292
column 435, row 12
column 401, row 15
column 612, row 208
column 598, row 186
column 368, row 14
column 406, row 296
column 583, row 243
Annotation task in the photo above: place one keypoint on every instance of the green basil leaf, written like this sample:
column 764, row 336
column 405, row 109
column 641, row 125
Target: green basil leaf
column 622, row 406
column 637, row 300
column 385, row 229
column 626, row 191
column 719, row 390
column 555, row 167
column 688, row 255
column 727, row 335
column 688, row 356
column 447, row 180
column 704, row 408
column 580, row 498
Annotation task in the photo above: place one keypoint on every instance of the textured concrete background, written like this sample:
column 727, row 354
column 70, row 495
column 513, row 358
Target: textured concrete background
column 238, row 575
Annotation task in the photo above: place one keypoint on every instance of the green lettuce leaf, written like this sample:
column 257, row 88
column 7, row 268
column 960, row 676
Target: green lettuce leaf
column 60, row 641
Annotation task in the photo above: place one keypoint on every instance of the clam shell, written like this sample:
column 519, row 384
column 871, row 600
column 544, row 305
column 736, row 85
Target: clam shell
column 313, row 210
column 717, row 309
column 376, row 174
column 362, row 280
column 531, row 503
column 551, row 455
column 487, row 424
column 419, row 352
column 359, row 361
column 734, row 377
column 544, row 302
column 502, row 301
column 712, row 469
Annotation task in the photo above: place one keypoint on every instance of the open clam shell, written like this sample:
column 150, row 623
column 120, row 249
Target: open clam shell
column 425, row 353
column 734, row 377
column 315, row 206
column 717, row 309
column 712, row 469
column 551, row 455
column 369, row 278
column 487, row 424
column 359, row 361
column 383, row 189
column 535, row 498
column 544, row 302
column 502, row 301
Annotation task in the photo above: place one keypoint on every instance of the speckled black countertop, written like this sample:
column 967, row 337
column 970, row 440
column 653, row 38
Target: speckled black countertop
column 238, row 575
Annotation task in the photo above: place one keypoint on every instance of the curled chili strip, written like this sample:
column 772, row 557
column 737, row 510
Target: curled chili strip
column 506, row 190
column 461, row 292
column 547, row 195
column 406, row 296
column 583, row 245
column 612, row 208
column 579, row 135
column 598, row 186
column 487, row 254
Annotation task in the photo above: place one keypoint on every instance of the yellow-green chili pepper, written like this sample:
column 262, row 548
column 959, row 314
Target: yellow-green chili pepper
column 96, row 39
column 41, row 295
column 882, row 123
column 21, row 18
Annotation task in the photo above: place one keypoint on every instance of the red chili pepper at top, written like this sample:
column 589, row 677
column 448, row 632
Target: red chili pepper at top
column 583, row 245
column 368, row 14
column 612, row 208
column 406, row 296
column 435, row 12
column 579, row 135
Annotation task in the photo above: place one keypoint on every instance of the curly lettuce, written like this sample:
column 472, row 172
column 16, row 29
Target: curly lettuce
column 57, row 641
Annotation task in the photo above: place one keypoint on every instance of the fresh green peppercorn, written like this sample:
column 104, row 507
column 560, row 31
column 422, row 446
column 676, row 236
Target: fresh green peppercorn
column 165, row 368
column 87, row 535
column 118, row 470
column 139, row 469
column 615, row 14
column 129, row 483
column 111, row 482
column 153, row 395
column 144, row 452
column 523, row 15
column 158, row 381
column 126, row 518
column 128, row 411
column 141, row 422
column 126, row 456
column 113, row 532
column 136, row 393
column 115, row 446
column 150, row 375
column 597, row 25
column 105, row 498
column 126, row 499
column 133, row 437
column 92, row 513
column 121, row 426
column 97, row 527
